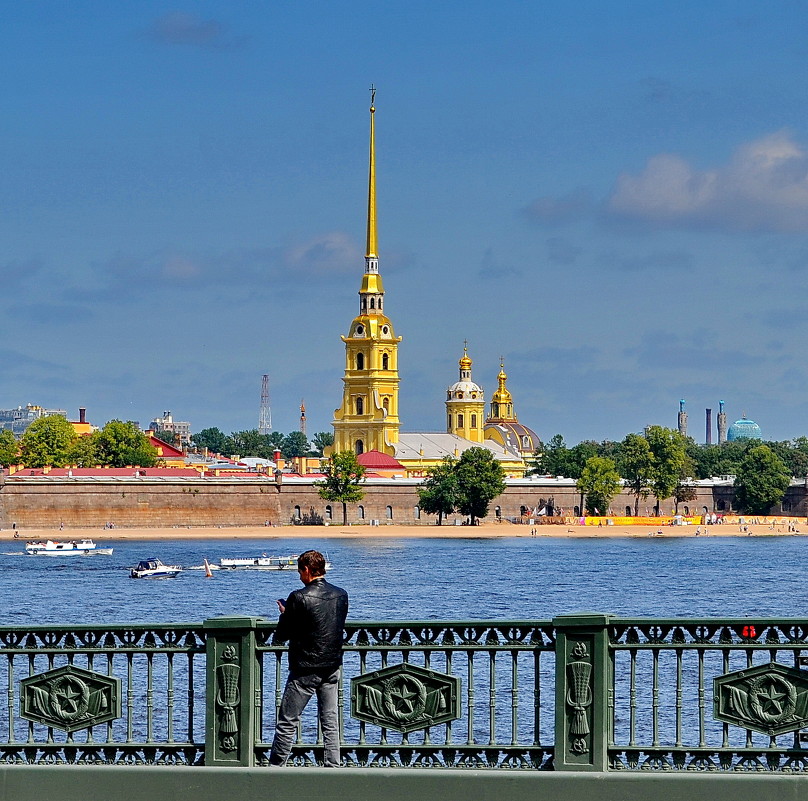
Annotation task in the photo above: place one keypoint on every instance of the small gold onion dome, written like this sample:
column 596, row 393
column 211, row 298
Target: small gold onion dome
column 465, row 361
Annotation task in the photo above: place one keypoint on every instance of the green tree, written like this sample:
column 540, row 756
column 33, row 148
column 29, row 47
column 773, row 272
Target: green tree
column 122, row 444
column 9, row 448
column 84, row 451
column 479, row 481
column 761, row 481
column 438, row 494
column 169, row 437
column 47, row 441
column 599, row 482
column 670, row 460
column 637, row 467
column 552, row 459
column 295, row 444
column 321, row 441
column 214, row 439
column 250, row 443
column 343, row 476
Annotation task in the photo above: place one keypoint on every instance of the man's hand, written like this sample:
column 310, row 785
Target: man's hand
column 281, row 605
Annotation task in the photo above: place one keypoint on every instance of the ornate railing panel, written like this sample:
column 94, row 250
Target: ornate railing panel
column 88, row 694
column 704, row 694
column 406, row 677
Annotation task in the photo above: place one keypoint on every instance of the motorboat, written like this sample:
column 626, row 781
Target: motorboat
column 154, row 568
column 82, row 547
column 263, row 562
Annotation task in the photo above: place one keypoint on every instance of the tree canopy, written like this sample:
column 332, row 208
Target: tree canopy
column 761, row 481
column 120, row 444
column 599, row 483
column 343, row 476
column 637, row 467
column 9, row 448
column 479, row 480
column 47, row 442
column 438, row 495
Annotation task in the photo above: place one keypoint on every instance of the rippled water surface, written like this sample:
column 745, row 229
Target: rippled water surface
column 423, row 579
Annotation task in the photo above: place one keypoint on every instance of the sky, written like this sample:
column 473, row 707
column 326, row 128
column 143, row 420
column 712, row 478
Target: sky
column 612, row 197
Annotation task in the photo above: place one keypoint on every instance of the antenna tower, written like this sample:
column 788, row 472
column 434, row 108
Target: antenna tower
column 265, row 416
column 302, row 417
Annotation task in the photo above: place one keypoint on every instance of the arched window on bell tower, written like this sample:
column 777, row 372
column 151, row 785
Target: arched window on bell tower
column 360, row 361
column 359, row 447
column 360, row 405
column 385, row 361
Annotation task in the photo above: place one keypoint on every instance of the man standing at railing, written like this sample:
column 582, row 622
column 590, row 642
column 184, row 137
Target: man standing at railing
column 312, row 620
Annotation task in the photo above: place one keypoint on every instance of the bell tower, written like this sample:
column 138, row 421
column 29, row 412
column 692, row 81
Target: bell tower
column 368, row 417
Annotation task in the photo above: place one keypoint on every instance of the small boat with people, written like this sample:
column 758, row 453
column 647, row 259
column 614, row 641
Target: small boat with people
column 83, row 547
column 154, row 568
column 263, row 562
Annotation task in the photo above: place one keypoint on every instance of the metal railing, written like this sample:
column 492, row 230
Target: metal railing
column 578, row 693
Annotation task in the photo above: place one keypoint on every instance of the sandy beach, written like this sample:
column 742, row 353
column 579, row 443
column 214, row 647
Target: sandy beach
column 485, row 530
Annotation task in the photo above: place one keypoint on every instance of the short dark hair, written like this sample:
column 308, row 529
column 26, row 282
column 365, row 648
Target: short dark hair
column 314, row 561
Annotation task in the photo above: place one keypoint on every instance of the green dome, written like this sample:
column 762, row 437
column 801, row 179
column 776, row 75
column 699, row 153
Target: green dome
column 744, row 429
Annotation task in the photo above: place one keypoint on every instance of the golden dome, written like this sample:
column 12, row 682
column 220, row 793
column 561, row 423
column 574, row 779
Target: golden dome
column 465, row 362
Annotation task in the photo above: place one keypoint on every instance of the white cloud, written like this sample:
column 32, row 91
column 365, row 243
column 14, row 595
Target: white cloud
column 764, row 187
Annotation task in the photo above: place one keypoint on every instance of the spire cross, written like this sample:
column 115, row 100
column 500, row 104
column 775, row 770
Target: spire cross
column 372, row 95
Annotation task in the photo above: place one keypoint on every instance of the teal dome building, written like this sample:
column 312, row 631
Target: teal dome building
column 744, row 429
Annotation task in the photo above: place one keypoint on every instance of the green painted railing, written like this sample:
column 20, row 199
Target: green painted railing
column 578, row 693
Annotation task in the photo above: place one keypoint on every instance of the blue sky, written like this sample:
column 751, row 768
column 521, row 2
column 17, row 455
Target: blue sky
column 612, row 196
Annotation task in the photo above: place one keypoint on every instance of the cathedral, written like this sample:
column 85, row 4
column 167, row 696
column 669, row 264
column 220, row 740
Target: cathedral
column 367, row 422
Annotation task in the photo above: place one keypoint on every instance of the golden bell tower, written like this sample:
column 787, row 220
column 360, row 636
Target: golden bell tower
column 465, row 404
column 368, row 417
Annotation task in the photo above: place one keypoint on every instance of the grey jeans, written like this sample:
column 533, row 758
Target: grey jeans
column 298, row 692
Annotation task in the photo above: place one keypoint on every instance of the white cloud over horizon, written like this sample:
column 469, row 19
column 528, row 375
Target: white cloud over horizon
column 763, row 187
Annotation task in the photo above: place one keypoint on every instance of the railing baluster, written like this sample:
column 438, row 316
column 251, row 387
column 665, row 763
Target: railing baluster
column 536, row 696
column 363, row 668
column 170, row 696
column 130, row 700
column 679, row 657
column 702, row 700
column 191, row 697
column 655, row 699
column 725, row 726
column 470, row 697
column 449, row 671
column 514, row 697
column 149, row 697
column 10, row 667
column 632, row 699
column 492, row 696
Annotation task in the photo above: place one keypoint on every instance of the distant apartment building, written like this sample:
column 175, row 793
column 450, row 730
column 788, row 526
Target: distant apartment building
column 17, row 420
column 168, row 423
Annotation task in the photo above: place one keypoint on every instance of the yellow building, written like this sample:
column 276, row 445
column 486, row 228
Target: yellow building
column 368, row 418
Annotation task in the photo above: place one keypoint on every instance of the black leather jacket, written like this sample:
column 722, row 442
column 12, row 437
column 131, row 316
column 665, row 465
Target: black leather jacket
column 313, row 623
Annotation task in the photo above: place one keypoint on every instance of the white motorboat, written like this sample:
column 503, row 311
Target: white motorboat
column 82, row 547
column 263, row 562
column 154, row 568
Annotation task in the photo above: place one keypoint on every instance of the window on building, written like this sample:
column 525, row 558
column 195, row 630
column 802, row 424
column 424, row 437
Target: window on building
column 628, row 511
column 474, row 421
column 372, row 304
column 360, row 361
column 385, row 361
column 460, row 421
column 359, row 447
column 525, row 441
column 328, row 513
column 360, row 512
column 297, row 513
column 416, row 512
column 360, row 405
column 449, row 423
column 386, row 405
column 389, row 512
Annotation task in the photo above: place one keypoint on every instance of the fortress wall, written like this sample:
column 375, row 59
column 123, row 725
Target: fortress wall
column 46, row 503
column 166, row 503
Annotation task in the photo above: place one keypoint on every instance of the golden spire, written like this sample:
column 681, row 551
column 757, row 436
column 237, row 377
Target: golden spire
column 371, row 240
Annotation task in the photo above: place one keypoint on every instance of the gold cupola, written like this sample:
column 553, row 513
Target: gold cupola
column 501, row 400
column 368, row 417
column 465, row 403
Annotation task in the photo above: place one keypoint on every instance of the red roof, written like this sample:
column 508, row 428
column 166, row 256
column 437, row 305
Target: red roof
column 168, row 451
column 376, row 460
column 100, row 472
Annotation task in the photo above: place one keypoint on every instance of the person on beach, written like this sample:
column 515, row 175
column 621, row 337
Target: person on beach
column 312, row 620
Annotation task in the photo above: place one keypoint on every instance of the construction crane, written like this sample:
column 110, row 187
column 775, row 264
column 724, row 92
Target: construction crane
column 265, row 415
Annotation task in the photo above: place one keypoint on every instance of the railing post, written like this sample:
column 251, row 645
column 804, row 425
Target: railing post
column 582, row 689
column 233, row 688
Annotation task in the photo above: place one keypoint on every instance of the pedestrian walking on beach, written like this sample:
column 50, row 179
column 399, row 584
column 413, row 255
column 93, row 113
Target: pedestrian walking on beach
column 312, row 620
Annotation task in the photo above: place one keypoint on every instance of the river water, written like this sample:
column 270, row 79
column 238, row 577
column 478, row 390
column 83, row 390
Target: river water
column 422, row 579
